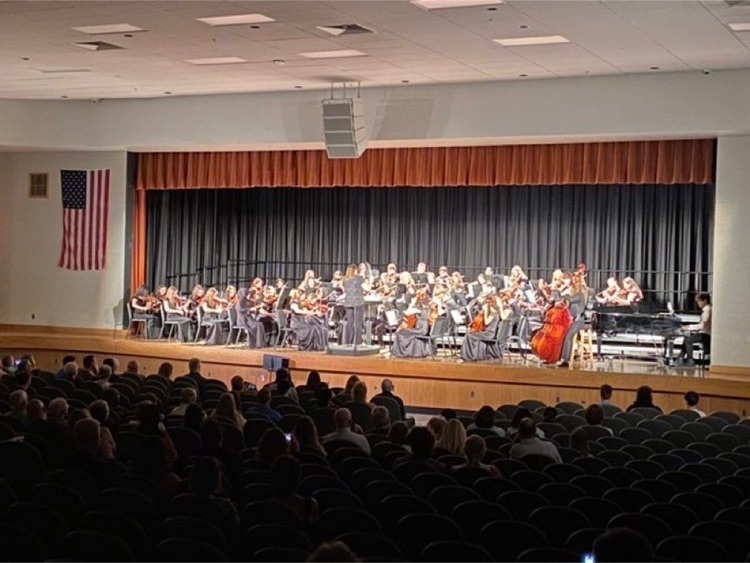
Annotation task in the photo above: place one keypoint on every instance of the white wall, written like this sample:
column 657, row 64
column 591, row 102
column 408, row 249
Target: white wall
column 30, row 230
column 730, row 340
column 669, row 105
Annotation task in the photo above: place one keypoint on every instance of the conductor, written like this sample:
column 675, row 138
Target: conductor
column 354, row 305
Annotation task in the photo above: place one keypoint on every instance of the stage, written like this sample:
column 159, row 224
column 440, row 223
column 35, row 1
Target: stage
column 444, row 381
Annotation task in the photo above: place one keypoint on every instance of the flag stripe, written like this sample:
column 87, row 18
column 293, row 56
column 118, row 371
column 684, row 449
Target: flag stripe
column 105, row 217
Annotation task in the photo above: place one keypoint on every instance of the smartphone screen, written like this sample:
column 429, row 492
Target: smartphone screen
column 588, row 558
column 289, row 439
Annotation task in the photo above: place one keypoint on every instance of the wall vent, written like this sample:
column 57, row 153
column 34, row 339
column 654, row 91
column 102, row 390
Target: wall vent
column 38, row 185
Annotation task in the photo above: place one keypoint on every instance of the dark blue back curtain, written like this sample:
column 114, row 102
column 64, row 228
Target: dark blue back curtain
column 660, row 235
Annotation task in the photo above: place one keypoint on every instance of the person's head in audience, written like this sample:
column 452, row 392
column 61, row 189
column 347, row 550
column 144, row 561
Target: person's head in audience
column 86, row 435
column 579, row 441
column 8, row 363
column 359, row 392
column 476, row 449
column 519, row 415
column 306, row 434
column 77, row 415
column 194, row 365
column 99, row 410
column 453, row 438
column 448, row 414
column 68, row 359
column 188, row 395
column 313, row 381
column 24, row 366
column 283, row 386
column 148, row 418
column 225, row 408
column 23, row 378
column 436, row 424
column 422, row 442
column 237, row 384
column 165, row 370
column 57, row 411
column 272, row 445
column 282, row 374
column 622, row 544
column 323, row 396
column 594, row 414
column 31, row 361
column 350, row 383
column 286, row 474
column 36, row 410
column 605, row 392
column 149, row 458
column 526, row 428
column 644, row 397
column 112, row 396
column 485, row 417
column 19, row 400
column 691, row 399
column 89, row 364
column 113, row 364
column 387, row 386
column 194, row 417
column 549, row 414
column 333, row 551
column 205, row 478
column 381, row 419
column 343, row 419
column 264, row 396
column 133, row 367
column 70, row 371
column 105, row 373
column 399, row 433
column 211, row 438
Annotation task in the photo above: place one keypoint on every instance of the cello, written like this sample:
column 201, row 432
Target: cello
column 548, row 341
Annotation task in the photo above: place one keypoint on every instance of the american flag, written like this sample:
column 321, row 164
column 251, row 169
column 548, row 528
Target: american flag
column 85, row 202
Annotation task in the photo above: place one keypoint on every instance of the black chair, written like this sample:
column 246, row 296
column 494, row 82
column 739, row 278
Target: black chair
column 316, row 482
column 361, row 414
column 337, row 498
column 734, row 538
column 739, row 516
column 687, row 548
column 446, row 498
column 528, row 480
column 682, row 480
column 521, row 503
column 690, row 456
column 563, row 472
column 742, row 433
column 647, row 412
column 686, row 414
column 454, row 551
column 715, row 422
column 706, row 473
column 698, row 430
column 279, row 554
column 88, row 545
column 375, row 491
column 645, row 468
column 569, row 407
column 674, row 421
column 507, row 540
column 552, row 429
column 632, row 418
column 43, row 522
column 193, row 529
column 508, row 467
column 680, row 438
column 424, row 483
column 582, row 541
column 617, row 425
column 594, row 485
column 631, row 500
column 65, row 500
column 254, row 429
column 678, row 517
column 120, row 525
column 591, row 465
column 395, row 507
column 724, row 441
column 129, row 502
column 467, row 476
column 638, row 451
column 724, row 466
column 337, row 521
column 662, row 491
column 654, row 528
column 741, row 483
column 615, row 458
column 599, row 511
column 597, row 432
column 182, row 550
column 558, row 522
column 18, row 544
column 490, row 488
column 620, row 476
column 570, row 421
column 268, row 512
column 416, row 531
column 741, row 460
column 561, row 494
column 669, row 462
column 264, row 536
column 704, row 505
column 471, row 516
column 21, row 464
column 394, row 410
column 363, row 477
column 371, row 545
column 635, row 435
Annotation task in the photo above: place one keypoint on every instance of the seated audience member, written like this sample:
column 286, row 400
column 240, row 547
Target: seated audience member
column 691, row 400
column 30, row 362
column 313, row 381
column 19, row 401
column 381, row 421
column 212, row 445
column 448, row 414
column 99, row 411
column 622, row 544
column 436, row 424
column 286, row 475
column 66, row 360
column 149, row 461
column 57, row 412
column 529, row 443
column 271, row 446
column 359, row 394
column 350, row 383
column 422, row 442
column 70, row 373
column 343, row 420
column 306, row 436
column 512, row 430
column 112, row 396
column 324, row 396
column 147, row 423
column 333, row 551
column 205, row 481
column 133, row 368
column 643, row 398
column 86, row 456
column 238, row 388
column 105, row 376
column 476, row 449
column 89, row 371
column 8, row 365
column 194, row 417
column 283, row 374
column 399, row 434
column 453, row 438
column 594, row 416
column 285, row 388
column 386, row 390
column 166, row 370
column 485, row 418
column 605, row 393
column 113, row 364
column 263, row 408
column 579, row 441
column 23, row 379
column 549, row 414
column 226, row 412
column 55, row 434
column 188, row 396
column 194, row 374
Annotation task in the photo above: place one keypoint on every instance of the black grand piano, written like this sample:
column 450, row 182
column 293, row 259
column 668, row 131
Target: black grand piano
column 613, row 320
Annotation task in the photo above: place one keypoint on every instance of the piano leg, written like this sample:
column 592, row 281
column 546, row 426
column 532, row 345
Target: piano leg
column 599, row 346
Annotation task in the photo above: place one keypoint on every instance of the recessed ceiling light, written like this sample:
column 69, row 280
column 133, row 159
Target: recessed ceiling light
column 128, row 35
column 492, row 9
column 242, row 19
column 743, row 26
column 440, row 4
column 523, row 26
column 298, row 87
column 25, row 59
column 523, row 41
column 653, row 68
column 523, row 75
column 216, row 61
column 254, row 27
column 111, row 28
column 333, row 54
column 64, row 97
column 168, row 93
column 404, row 82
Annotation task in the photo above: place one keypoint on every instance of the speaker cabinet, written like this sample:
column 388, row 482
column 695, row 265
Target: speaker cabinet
column 344, row 127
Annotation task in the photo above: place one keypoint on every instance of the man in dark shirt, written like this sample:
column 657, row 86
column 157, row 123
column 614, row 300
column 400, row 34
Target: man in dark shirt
column 422, row 442
column 386, row 390
column 263, row 409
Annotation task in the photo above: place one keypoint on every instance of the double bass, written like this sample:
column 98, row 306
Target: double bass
column 547, row 343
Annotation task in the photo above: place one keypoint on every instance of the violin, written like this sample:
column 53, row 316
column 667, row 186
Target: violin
column 408, row 323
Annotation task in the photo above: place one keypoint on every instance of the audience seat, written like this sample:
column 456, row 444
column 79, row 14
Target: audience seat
column 337, row 521
column 687, row 548
column 87, row 545
column 599, row 511
column 654, row 528
column 679, row 518
column 507, row 540
column 186, row 550
column 558, row 522
column 370, row 545
column 416, row 531
column 471, row 516
column 263, row 536
column 454, row 551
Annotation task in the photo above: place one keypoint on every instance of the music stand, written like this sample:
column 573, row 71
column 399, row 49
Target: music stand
column 420, row 278
column 497, row 281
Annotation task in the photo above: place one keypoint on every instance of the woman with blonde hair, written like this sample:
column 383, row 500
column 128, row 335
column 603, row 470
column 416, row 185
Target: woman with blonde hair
column 453, row 438
column 226, row 412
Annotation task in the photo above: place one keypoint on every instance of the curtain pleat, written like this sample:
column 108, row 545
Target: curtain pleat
column 633, row 162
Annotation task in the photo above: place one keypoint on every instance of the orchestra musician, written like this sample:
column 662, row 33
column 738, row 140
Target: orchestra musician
column 214, row 316
column 310, row 283
column 698, row 333
column 392, row 273
column 145, row 307
column 610, row 294
column 312, row 335
column 576, row 296
column 477, row 344
column 516, row 278
column 407, row 342
column 337, row 282
column 175, row 309
column 630, row 294
column 161, row 293
column 251, row 314
column 354, row 303
column 423, row 274
column 194, row 301
column 443, row 277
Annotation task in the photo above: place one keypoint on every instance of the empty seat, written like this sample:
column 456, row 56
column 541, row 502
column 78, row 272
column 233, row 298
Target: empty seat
column 181, row 550
column 635, row 435
column 620, row 476
column 337, row 521
column 662, row 491
column 558, row 522
column 563, row 472
column 680, row 438
column 471, row 516
column 704, row 505
column 529, row 480
column 594, row 485
column 446, row 498
column 615, row 457
column 687, row 548
column 657, row 427
column 270, row 535
column 678, row 517
column 647, row 469
column 416, row 531
column 521, row 503
column 706, row 473
column 561, row 494
column 507, row 540
column 454, row 550
column 370, row 545
column 682, row 480
column 631, row 500
column 654, row 528
column 733, row 537
column 599, row 511
column 87, row 545
column 669, row 462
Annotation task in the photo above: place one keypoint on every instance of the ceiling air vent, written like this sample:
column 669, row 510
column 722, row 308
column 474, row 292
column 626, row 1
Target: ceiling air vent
column 97, row 45
column 344, row 29
column 733, row 3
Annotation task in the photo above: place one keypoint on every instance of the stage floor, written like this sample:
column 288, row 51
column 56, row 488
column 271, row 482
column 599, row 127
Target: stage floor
column 444, row 381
